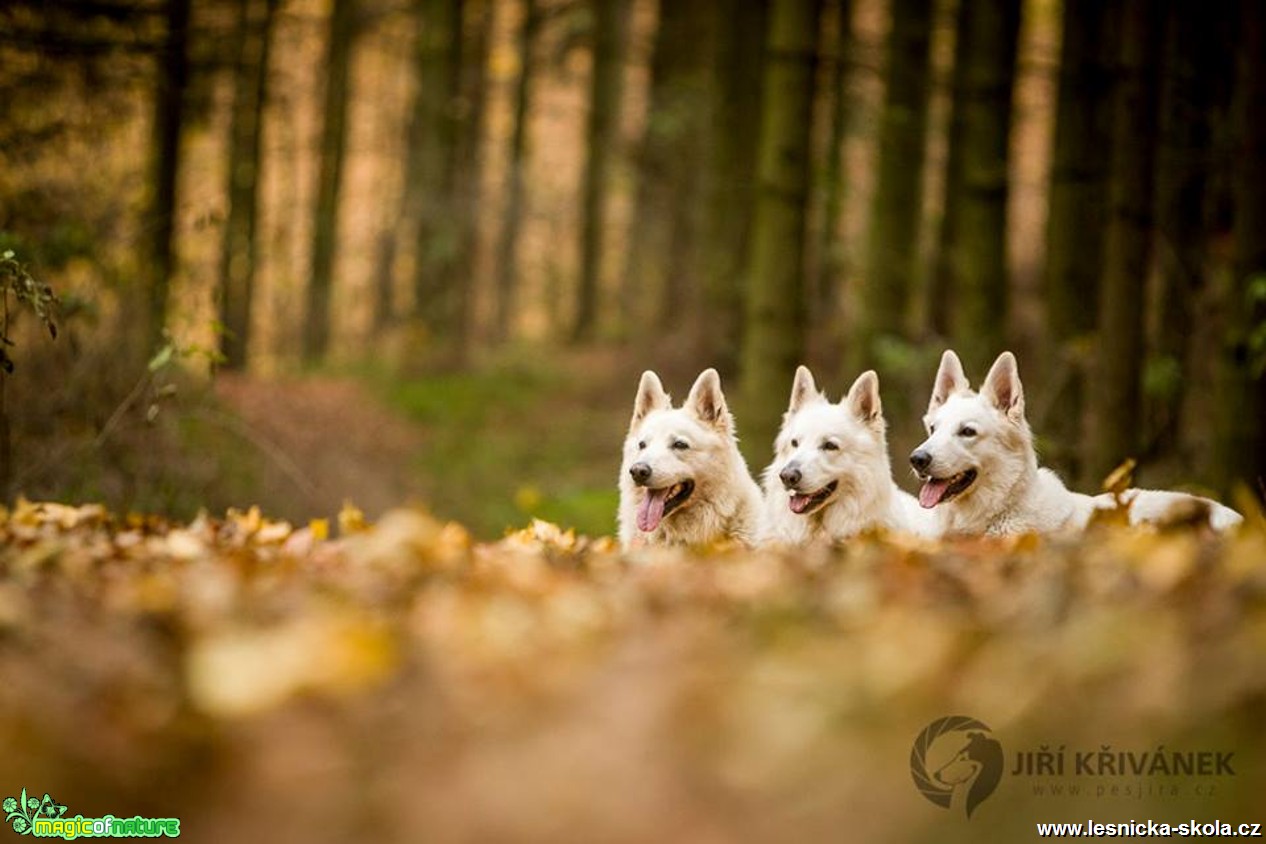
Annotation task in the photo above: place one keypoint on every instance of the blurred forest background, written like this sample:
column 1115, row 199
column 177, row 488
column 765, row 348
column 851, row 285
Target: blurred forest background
column 310, row 249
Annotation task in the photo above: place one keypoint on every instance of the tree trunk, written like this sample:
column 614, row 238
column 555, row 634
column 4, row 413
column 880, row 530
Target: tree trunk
column 1193, row 47
column 1114, row 389
column 1076, row 218
column 508, row 245
column 832, row 249
column 731, row 171
column 1242, row 393
column 775, row 313
column 610, row 32
column 892, row 258
column 238, row 250
column 941, row 289
column 169, row 108
column 460, row 282
column 434, row 129
column 979, row 254
column 662, row 230
column 340, row 34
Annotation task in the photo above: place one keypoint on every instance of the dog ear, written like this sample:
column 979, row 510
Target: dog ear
column 949, row 380
column 1002, row 387
column 803, row 389
column 707, row 401
column 863, row 398
column 650, row 396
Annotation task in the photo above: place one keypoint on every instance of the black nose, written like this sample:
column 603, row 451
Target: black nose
column 920, row 460
column 790, row 476
column 641, row 472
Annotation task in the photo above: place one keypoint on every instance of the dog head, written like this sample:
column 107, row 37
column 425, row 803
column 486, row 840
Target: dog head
column 974, row 439
column 824, row 447
column 671, row 454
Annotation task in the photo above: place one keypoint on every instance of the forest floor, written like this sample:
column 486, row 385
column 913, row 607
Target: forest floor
column 512, row 438
column 265, row 682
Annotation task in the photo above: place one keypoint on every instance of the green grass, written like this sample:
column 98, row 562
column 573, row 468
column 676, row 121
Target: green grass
column 519, row 437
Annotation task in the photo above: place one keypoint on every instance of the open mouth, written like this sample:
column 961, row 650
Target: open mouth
column 939, row 490
column 658, row 503
column 804, row 503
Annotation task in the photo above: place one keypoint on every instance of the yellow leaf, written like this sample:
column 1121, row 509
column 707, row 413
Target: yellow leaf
column 320, row 529
column 351, row 519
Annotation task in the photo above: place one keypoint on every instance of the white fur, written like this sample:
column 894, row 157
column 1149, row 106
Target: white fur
column 1011, row 494
column 865, row 497
column 726, row 501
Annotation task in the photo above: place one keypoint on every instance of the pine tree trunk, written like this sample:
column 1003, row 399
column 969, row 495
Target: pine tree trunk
column 775, row 311
column 1115, row 385
column 893, row 237
column 610, row 32
column 169, row 108
column 508, row 244
column 731, row 171
column 460, row 282
column 1242, row 387
column 238, row 251
column 1076, row 219
column 942, row 287
column 657, row 271
column 832, row 249
column 979, row 254
column 1193, row 45
column 431, row 165
column 325, row 228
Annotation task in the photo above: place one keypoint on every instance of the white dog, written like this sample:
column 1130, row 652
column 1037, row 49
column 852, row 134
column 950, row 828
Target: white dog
column 830, row 477
column 979, row 469
column 683, row 480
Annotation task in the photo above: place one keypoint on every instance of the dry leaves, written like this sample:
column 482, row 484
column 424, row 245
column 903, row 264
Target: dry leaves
column 461, row 689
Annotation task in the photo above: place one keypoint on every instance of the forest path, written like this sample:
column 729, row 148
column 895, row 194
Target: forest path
column 324, row 439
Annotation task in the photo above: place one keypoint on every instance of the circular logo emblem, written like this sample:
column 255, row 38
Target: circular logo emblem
column 956, row 763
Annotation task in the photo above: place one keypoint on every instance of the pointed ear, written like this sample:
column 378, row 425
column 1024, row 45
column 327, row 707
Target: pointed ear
column 650, row 396
column 1002, row 387
column 707, row 401
column 863, row 398
column 803, row 389
column 949, row 380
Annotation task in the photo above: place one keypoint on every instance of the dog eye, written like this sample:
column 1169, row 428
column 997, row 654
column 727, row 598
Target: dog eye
column 795, row 443
column 967, row 431
column 641, row 445
column 830, row 446
column 681, row 445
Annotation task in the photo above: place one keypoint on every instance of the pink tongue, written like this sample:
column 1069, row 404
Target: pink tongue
column 799, row 503
column 932, row 492
column 651, row 511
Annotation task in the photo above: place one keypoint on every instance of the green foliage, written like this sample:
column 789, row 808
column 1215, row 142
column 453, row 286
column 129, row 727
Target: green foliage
column 36, row 296
column 511, row 440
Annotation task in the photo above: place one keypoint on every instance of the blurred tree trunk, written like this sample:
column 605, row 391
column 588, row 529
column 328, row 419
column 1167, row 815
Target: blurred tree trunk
column 508, row 245
column 663, row 231
column 773, row 342
column 892, row 258
column 172, row 75
column 731, row 171
column 610, row 34
column 431, row 165
column 1076, row 220
column 832, row 248
column 1193, row 47
column 979, row 248
column 1114, row 388
column 942, row 286
column 460, row 282
column 340, row 34
column 238, row 249
column 1242, row 393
